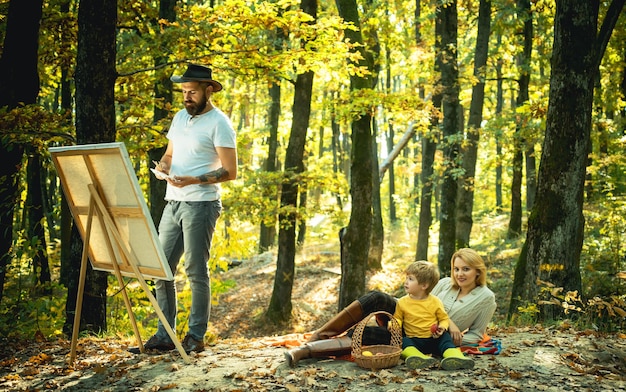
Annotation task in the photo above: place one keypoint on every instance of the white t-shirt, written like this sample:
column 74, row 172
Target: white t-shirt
column 194, row 140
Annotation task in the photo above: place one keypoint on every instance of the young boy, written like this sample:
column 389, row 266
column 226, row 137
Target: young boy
column 425, row 322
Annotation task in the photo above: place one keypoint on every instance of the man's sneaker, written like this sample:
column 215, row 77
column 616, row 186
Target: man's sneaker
column 190, row 344
column 154, row 344
column 158, row 344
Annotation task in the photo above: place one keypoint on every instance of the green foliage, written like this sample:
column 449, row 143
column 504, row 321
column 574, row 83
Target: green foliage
column 26, row 312
column 607, row 315
column 57, row 50
column 602, row 304
column 251, row 44
column 604, row 253
column 228, row 245
column 258, row 195
column 607, row 177
column 527, row 315
column 33, row 125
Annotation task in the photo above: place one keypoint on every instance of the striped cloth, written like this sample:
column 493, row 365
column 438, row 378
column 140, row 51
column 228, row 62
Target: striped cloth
column 487, row 345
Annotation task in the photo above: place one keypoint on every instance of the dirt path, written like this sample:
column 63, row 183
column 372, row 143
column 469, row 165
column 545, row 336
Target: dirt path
column 542, row 360
column 244, row 359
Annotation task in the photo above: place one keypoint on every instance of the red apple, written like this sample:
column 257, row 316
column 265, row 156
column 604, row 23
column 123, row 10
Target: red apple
column 434, row 328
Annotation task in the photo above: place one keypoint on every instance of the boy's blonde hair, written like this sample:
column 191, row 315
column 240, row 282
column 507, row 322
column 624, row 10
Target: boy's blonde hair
column 424, row 272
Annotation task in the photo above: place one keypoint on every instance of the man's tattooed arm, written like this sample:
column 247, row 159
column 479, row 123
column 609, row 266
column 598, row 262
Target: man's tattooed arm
column 213, row 177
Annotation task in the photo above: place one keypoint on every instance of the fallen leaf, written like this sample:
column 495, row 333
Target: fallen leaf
column 99, row 369
column 30, row 371
column 292, row 388
column 39, row 337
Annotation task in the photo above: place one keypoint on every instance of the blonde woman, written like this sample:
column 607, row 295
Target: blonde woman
column 467, row 300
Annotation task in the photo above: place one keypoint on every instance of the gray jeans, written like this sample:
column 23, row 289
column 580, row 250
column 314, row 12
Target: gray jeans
column 186, row 229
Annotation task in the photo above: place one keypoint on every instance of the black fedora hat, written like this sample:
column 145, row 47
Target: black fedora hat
column 197, row 73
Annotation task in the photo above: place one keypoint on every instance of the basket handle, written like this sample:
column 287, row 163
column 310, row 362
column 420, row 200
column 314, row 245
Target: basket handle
column 393, row 327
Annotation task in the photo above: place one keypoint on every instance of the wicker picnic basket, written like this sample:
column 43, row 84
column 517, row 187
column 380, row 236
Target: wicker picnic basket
column 383, row 355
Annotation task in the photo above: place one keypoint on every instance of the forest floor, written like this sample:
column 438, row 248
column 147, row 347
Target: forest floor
column 246, row 354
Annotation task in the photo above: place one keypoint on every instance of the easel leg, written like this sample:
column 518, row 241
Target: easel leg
column 117, row 239
column 129, row 308
column 164, row 321
column 81, row 289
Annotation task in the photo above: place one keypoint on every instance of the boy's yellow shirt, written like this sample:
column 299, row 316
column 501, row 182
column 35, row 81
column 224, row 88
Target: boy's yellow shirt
column 417, row 315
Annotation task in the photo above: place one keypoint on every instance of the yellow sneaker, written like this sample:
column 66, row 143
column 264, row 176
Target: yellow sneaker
column 454, row 359
column 417, row 362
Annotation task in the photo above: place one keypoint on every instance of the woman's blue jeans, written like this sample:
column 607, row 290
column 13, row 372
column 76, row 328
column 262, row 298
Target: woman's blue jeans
column 186, row 230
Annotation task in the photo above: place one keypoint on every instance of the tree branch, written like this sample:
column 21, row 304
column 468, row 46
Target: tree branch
column 410, row 131
column 610, row 20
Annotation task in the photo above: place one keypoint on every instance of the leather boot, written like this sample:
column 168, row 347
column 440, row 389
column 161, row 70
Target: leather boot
column 341, row 322
column 322, row 348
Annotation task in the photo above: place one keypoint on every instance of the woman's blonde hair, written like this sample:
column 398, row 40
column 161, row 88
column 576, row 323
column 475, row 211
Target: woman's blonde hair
column 473, row 259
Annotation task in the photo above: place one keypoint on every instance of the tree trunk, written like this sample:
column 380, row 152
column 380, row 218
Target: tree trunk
column 267, row 236
column 429, row 148
column 337, row 153
column 19, row 84
column 498, row 135
column 377, row 241
column 515, row 219
column 392, row 178
column 531, row 176
column 555, row 226
column 162, row 98
column 279, row 309
column 519, row 145
column 157, row 187
column 451, row 107
column 622, row 87
column 280, row 306
column 524, row 13
column 36, row 232
column 465, row 204
column 66, row 242
column 66, row 214
column 356, row 240
column 390, row 145
column 303, row 194
column 95, row 123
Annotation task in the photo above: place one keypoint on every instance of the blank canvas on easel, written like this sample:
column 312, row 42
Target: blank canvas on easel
column 108, row 167
column 112, row 217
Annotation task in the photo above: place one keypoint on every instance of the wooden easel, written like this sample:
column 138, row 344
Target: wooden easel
column 118, row 252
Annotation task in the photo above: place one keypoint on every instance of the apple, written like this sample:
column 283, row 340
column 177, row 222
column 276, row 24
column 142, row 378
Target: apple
column 434, row 328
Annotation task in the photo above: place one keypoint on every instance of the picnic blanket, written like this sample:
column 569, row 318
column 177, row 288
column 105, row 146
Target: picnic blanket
column 287, row 341
column 487, row 345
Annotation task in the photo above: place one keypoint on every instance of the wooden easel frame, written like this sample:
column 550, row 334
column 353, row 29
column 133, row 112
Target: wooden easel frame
column 111, row 215
column 96, row 206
